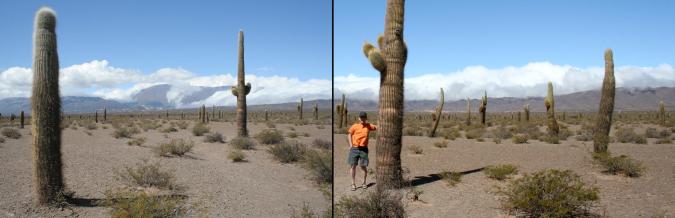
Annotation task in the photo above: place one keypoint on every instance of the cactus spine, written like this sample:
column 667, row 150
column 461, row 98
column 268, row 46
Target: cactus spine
column 549, row 102
column 315, row 110
column 21, row 119
column 46, row 103
column 241, row 90
column 604, row 120
column 390, row 62
column 436, row 117
column 468, row 111
column 482, row 109
column 300, row 105
column 662, row 113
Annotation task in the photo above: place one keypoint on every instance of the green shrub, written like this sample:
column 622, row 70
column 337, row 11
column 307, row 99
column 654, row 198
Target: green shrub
column 373, row 204
column 622, row 164
column 441, row 144
column 292, row 135
column 319, row 164
column 214, row 137
column 288, row 152
column 500, row 172
column 242, row 143
column 452, row 178
column 415, row 149
column 177, row 147
column 200, row 129
column 501, row 133
column 145, row 174
column 322, row 144
column 628, row 135
column 236, row 156
column 651, row 133
column 548, row 193
column 304, row 212
column 137, row 142
column 182, row 125
column 270, row 136
column 126, row 204
column 519, row 138
column 11, row 133
column 551, row 139
column 90, row 125
column 125, row 132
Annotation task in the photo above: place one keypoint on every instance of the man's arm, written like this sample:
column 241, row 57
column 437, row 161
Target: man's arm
column 349, row 139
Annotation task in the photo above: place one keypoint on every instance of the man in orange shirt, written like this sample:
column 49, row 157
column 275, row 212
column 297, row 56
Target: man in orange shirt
column 358, row 147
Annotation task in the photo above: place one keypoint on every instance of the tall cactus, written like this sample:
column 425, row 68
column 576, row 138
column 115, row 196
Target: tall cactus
column 340, row 109
column 300, row 105
column 315, row 110
column 662, row 113
column 390, row 61
column 526, row 110
column 105, row 114
column 483, row 109
column 604, row 120
column 21, row 119
column 95, row 116
column 241, row 90
column 46, row 103
column 345, row 115
column 436, row 117
column 549, row 102
column 468, row 111
column 267, row 114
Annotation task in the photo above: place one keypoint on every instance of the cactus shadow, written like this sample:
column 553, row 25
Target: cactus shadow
column 422, row 180
column 85, row 202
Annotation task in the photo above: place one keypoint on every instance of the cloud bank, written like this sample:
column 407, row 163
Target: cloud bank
column 525, row 81
column 98, row 78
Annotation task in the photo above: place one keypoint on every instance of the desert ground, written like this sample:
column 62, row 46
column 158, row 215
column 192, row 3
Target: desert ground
column 214, row 185
column 650, row 195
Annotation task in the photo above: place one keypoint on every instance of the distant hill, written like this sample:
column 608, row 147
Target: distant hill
column 625, row 99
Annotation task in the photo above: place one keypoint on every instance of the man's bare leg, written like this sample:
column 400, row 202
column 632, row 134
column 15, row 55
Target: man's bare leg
column 365, row 174
column 352, row 170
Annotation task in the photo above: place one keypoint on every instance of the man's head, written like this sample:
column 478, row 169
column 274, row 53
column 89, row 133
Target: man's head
column 363, row 117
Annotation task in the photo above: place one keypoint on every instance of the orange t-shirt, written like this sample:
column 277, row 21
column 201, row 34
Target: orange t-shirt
column 359, row 132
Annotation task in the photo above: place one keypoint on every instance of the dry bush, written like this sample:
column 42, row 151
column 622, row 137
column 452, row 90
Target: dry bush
column 127, row 203
column 548, row 193
column 214, row 137
column 373, row 204
column 322, row 144
column 242, row 143
column 146, row 174
column 288, row 151
column 500, row 172
column 441, row 144
column 137, row 142
column 200, row 129
column 270, row 136
column 125, row 132
column 452, row 178
column 415, row 149
column 236, row 156
column 519, row 138
column 11, row 133
column 175, row 147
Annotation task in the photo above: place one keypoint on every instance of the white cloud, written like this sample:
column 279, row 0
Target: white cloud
column 528, row 80
column 98, row 78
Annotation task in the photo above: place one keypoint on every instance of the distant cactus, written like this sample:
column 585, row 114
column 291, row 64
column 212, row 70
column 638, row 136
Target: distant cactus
column 662, row 113
column 389, row 59
column 21, row 119
column 267, row 114
column 96, row 116
column 436, row 117
column 549, row 102
column 167, row 114
column 46, row 104
column 300, row 105
column 340, row 112
column 468, row 111
column 105, row 114
column 483, row 109
column 526, row 110
column 519, row 117
column 241, row 90
column 604, row 120
column 315, row 111
column 11, row 119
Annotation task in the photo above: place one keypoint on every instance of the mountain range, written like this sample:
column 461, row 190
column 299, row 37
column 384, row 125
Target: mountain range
column 156, row 98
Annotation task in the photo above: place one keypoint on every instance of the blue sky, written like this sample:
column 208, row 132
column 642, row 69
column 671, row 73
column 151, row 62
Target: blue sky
column 446, row 36
column 509, row 48
column 284, row 38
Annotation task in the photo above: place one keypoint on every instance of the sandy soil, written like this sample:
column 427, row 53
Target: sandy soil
column 260, row 187
column 651, row 194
